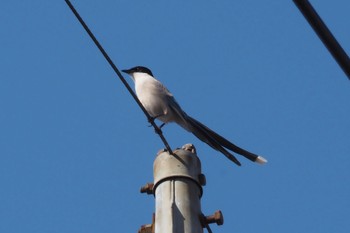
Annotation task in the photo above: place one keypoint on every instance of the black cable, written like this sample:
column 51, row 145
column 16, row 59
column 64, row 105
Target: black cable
column 149, row 118
column 204, row 223
column 324, row 34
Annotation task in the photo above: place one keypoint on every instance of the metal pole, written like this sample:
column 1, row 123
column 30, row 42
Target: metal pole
column 177, row 190
column 324, row 34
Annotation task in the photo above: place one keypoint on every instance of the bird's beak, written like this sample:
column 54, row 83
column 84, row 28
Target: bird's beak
column 126, row 71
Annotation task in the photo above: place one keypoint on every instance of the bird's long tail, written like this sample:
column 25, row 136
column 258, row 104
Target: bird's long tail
column 219, row 143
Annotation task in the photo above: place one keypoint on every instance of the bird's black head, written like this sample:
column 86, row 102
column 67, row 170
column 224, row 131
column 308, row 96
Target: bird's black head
column 140, row 69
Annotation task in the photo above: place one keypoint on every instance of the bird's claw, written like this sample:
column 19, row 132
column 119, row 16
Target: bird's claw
column 152, row 119
column 158, row 130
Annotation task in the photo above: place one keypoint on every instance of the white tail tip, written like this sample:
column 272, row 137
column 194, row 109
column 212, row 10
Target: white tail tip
column 261, row 160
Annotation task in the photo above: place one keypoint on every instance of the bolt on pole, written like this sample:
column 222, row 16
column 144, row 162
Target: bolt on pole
column 177, row 189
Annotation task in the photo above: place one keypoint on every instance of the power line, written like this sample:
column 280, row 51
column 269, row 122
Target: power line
column 116, row 70
column 324, row 34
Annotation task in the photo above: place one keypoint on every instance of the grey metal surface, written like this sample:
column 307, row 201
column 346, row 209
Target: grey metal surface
column 177, row 192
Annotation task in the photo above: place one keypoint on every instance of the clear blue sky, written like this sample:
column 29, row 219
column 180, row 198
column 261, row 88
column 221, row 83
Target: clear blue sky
column 75, row 148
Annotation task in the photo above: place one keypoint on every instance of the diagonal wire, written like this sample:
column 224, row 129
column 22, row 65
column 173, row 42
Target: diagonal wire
column 324, row 34
column 149, row 118
column 204, row 223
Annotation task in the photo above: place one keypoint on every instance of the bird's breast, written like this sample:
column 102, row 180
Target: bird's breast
column 153, row 99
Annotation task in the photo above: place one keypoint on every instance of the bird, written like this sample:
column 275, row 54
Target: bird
column 160, row 104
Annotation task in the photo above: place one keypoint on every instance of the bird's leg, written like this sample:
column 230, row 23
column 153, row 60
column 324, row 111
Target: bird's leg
column 151, row 119
column 157, row 128
column 161, row 126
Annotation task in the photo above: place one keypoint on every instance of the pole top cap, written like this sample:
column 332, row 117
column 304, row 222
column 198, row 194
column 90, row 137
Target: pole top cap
column 183, row 163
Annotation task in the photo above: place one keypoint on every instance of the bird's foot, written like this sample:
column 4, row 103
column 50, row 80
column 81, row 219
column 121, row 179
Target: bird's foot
column 152, row 119
column 158, row 130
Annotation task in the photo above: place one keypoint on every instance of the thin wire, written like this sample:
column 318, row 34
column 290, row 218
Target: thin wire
column 149, row 118
column 204, row 223
column 324, row 34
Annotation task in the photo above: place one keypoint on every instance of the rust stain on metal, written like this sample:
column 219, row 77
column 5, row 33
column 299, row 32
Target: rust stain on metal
column 145, row 228
column 217, row 218
column 148, row 228
column 147, row 188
